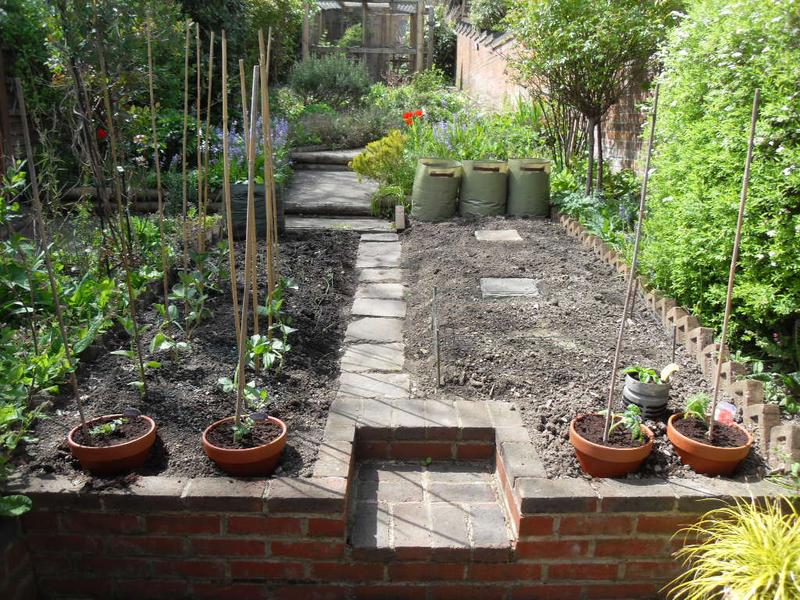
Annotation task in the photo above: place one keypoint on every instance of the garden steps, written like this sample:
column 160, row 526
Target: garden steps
column 360, row 224
column 324, row 158
column 329, row 193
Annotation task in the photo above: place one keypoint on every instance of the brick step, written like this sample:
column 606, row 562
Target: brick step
column 423, row 510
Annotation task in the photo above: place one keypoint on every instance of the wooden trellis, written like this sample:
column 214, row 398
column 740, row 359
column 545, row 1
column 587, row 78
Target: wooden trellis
column 384, row 25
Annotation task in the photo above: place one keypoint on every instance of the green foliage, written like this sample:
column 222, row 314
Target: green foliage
column 352, row 37
column 444, row 43
column 782, row 389
column 713, row 62
column 332, row 78
column 643, row 374
column 385, row 162
column 108, row 428
column 631, row 420
column 697, row 406
column 489, row 14
column 748, row 549
column 427, row 91
column 285, row 17
column 351, row 129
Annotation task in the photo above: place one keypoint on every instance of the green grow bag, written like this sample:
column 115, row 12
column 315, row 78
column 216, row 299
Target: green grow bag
column 483, row 189
column 435, row 192
column 528, row 187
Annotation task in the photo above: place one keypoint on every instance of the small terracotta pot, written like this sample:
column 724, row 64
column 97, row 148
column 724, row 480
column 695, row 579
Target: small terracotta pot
column 705, row 458
column 603, row 461
column 110, row 460
column 261, row 460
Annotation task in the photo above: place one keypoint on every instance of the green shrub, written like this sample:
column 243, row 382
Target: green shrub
column 351, row 129
column 386, row 162
column 427, row 91
column 713, row 62
column 488, row 14
column 332, row 78
column 352, row 37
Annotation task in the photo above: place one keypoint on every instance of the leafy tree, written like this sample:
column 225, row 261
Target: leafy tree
column 713, row 62
column 585, row 54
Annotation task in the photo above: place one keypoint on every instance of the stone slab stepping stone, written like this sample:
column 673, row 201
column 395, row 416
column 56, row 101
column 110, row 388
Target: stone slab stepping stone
column 335, row 193
column 498, row 235
column 373, row 357
column 386, row 291
column 381, row 275
column 362, row 224
column 508, row 287
column 379, row 237
column 378, row 254
column 377, row 307
column 374, row 385
column 375, row 329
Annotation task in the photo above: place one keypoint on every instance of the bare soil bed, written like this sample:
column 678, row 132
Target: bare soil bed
column 551, row 355
column 184, row 396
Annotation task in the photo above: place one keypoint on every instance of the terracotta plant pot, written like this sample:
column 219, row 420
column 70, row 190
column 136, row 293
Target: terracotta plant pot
column 705, row 458
column 110, row 460
column 603, row 461
column 261, row 460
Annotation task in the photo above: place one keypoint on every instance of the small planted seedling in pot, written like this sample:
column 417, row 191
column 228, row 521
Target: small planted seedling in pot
column 629, row 442
column 648, row 389
column 688, row 431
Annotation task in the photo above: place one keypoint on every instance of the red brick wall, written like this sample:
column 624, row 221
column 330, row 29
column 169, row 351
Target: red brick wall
column 16, row 572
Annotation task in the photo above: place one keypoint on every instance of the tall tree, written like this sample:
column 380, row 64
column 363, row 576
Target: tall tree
column 585, row 54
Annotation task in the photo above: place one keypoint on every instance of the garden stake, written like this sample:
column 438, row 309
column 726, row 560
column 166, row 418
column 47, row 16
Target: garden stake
column 184, row 173
column 632, row 278
column 734, row 259
column 125, row 243
column 37, row 207
column 273, row 197
column 226, row 184
column 207, row 140
column 249, row 271
column 249, row 240
column 435, row 326
column 674, row 341
column 199, row 156
column 157, row 161
column 268, row 178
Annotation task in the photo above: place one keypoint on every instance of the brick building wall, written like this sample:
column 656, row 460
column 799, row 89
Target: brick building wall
column 482, row 71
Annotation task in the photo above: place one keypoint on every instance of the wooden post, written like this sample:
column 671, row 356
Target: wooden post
column 419, row 63
column 734, row 259
column 632, row 276
column 431, row 45
column 306, row 31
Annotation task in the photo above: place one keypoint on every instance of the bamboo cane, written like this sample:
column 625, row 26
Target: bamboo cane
column 40, row 224
column 207, row 139
column 125, row 241
column 226, row 184
column 734, row 259
column 273, row 197
column 157, row 161
column 199, row 125
column 268, row 200
column 184, row 170
column 249, row 272
column 247, row 122
column 632, row 276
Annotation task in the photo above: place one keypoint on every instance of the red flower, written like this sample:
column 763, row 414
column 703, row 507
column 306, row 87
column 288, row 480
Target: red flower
column 419, row 113
column 408, row 117
column 101, row 133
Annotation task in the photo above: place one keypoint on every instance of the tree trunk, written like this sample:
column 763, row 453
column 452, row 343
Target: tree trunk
column 600, row 155
column 590, row 148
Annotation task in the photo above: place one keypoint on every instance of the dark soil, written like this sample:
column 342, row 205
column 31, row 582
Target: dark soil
column 725, row 436
column 550, row 355
column 260, row 434
column 592, row 427
column 127, row 431
column 184, row 396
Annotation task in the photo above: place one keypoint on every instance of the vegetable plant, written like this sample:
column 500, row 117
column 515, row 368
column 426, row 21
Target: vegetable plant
column 255, row 398
column 650, row 375
column 696, row 406
column 631, row 420
column 748, row 549
column 132, row 355
column 108, row 428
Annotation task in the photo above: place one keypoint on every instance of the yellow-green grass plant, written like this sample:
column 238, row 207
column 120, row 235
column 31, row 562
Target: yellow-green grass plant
column 747, row 550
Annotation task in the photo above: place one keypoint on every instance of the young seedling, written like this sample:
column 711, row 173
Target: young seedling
column 631, row 420
column 650, row 375
column 108, row 428
column 696, row 406
column 256, row 399
column 132, row 355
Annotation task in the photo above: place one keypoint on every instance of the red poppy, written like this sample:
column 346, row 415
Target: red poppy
column 101, row 133
column 419, row 113
column 408, row 115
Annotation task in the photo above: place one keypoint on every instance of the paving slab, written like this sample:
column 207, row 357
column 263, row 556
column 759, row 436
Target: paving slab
column 374, row 385
column 489, row 526
column 361, row 224
column 410, row 524
column 378, row 254
column 380, row 237
column 375, row 329
column 333, row 193
column 508, row 287
column 385, row 291
column 381, row 275
column 373, row 357
column 449, row 527
column 379, row 307
column 497, row 235
column 371, row 527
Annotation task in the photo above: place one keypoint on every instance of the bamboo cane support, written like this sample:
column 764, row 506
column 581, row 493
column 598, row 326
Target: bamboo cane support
column 248, row 120
column 268, row 175
column 632, row 276
column 40, row 225
column 226, row 184
column 184, row 169
column 207, row 145
column 157, row 161
column 734, row 259
column 199, row 125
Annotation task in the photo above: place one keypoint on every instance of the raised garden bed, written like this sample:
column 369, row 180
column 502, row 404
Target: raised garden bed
column 549, row 354
column 184, row 396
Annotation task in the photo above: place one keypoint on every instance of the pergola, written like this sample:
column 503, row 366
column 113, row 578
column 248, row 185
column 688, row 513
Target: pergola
column 379, row 20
